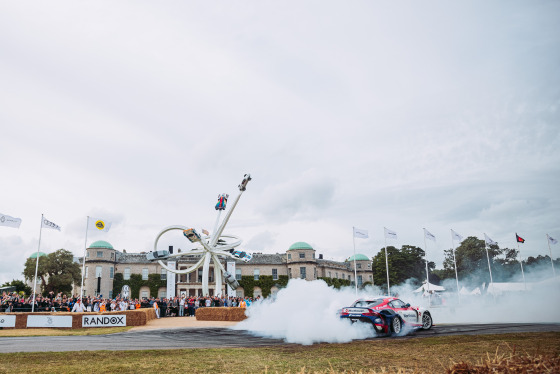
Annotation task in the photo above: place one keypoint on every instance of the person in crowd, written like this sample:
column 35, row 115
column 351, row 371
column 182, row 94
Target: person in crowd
column 156, row 307
column 78, row 306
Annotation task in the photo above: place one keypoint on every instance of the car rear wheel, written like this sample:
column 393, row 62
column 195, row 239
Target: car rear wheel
column 396, row 325
column 427, row 321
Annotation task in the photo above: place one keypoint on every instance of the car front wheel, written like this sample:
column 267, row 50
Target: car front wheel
column 427, row 321
column 396, row 325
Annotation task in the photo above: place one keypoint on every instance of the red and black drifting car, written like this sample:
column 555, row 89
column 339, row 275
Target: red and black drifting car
column 388, row 315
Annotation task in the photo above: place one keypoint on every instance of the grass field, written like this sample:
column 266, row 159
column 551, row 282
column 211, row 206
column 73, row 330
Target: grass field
column 421, row 355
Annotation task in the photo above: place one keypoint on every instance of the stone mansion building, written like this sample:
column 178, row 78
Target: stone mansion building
column 103, row 262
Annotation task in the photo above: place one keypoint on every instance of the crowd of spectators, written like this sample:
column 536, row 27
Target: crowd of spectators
column 174, row 307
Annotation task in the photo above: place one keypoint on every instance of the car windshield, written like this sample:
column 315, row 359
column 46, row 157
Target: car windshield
column 368, row 303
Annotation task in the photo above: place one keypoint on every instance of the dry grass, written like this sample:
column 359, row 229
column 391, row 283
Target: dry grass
column 426, row 355
column 62, row 332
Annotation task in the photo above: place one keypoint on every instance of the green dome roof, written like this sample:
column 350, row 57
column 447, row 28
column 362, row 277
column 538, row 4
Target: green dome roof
column 359, row 257
column 300, row 245
column 34, row 255
column 101, row 244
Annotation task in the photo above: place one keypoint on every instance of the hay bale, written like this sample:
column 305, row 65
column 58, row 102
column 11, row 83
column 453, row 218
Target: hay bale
column 220, row 314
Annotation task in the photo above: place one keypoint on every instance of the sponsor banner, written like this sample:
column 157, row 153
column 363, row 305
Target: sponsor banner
column 7, row 321
column 49, row 321
column 113, row 320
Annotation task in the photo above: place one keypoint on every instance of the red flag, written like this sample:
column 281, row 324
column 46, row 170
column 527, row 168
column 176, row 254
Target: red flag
column 519, row 238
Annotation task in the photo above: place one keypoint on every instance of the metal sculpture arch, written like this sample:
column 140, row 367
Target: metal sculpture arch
column 211, row 247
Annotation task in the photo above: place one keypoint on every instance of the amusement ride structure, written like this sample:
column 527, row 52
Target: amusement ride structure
column 211, row 247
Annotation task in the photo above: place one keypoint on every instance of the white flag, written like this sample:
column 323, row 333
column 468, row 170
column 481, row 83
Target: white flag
column 9, row 221
column 50, row 225
column 359, row 233
column 98, row 224
column 429, row 235
column 489, row 241
column 551, row 240
column 390, row 234
column 456, row 236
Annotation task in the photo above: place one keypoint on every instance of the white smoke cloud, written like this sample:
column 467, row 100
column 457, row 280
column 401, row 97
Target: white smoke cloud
column 305, row 313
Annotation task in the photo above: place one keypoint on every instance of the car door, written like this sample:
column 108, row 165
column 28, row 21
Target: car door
column 408, row 314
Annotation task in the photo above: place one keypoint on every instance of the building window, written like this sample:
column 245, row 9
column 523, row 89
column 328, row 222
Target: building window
column 144, row 294
column 238, row 274
column 126, row 273
column 290, row 273
column 256, row 273
column 274, row 274
column 99, row 253
column 302, row 255
column 369, row 266
column 163, row 274
column 111, row 272
column 314, row 273
column 370, row 278
column 302, row 272
column 289, row 256
column 111, row 294
column 360, row 280
column 330, row 274
column 98, row 270
column 358, row 266
column 86, row 274
column 336, row 275
column 112, row 255
column 313, row 255
column 199, row 276
column 87, row 254
column 145, row 274
column 343, row 276
column 162, row 294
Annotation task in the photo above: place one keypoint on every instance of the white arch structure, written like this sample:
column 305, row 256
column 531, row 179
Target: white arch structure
column 211, row 248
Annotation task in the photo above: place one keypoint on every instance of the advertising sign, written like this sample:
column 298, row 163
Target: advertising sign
column 8, row 321
column 113, row 320
column 49, row 321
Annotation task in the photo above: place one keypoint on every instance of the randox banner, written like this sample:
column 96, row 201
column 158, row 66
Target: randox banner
column 104, row 321
column 7, row 321
column 49, row 321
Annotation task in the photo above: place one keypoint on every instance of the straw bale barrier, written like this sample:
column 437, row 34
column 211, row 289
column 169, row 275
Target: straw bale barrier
column 220, row 314
column 136, row 317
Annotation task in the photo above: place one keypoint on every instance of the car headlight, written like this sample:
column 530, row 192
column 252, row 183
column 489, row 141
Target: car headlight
column 377, row 320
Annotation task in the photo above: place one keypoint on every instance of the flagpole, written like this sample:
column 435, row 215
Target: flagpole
column 84, row 261
column 455, row 262
column 550, row 250
column 355, row 271
column 387, row 267
column 489, row 268
column 37, row 266
column 521, row 263
column 427, row 273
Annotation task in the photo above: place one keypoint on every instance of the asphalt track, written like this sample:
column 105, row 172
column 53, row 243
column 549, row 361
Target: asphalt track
column 219, row 338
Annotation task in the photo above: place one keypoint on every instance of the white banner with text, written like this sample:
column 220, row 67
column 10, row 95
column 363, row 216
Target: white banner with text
column 113, row 320
column 7, row 321
column 49, row 321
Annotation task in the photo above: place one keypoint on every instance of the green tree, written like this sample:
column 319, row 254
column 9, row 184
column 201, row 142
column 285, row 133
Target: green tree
column 57, row 272
column 472, row 262
column 20, row 286
column 405, row 263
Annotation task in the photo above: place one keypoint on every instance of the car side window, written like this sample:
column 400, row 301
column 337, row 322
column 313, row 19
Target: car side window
column 397, row 304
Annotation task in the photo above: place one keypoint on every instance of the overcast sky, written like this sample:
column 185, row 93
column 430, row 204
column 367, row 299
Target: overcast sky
column 437, row 114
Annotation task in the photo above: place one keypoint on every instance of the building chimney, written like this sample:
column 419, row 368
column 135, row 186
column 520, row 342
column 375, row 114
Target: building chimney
column 320, row 256
column 171, row 249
